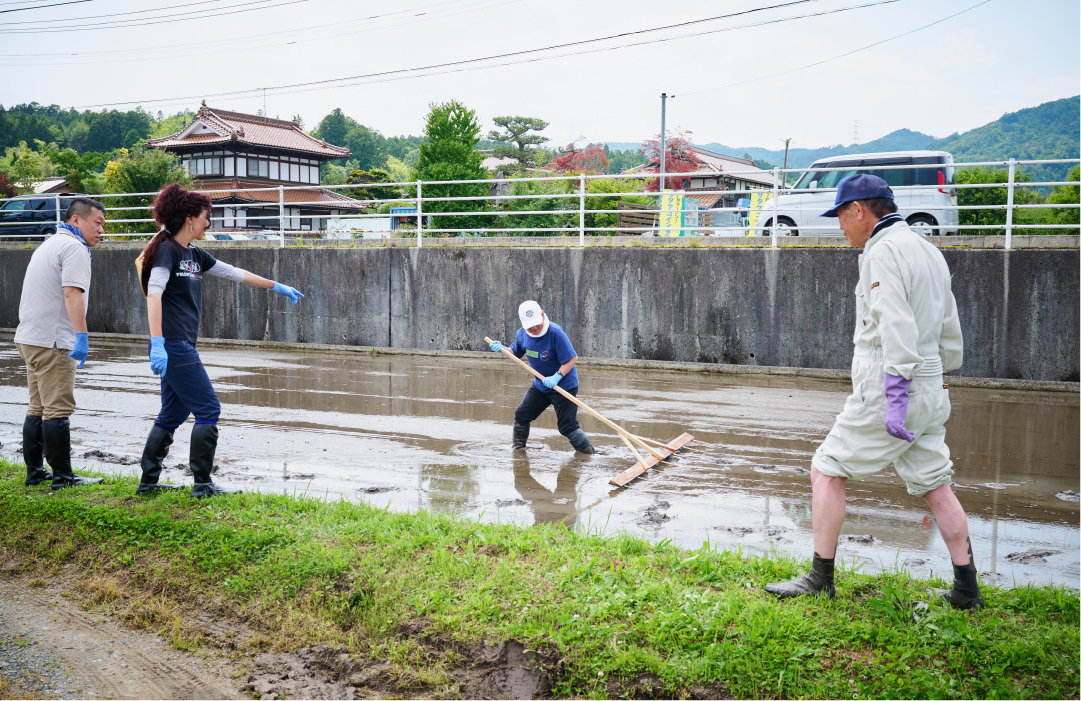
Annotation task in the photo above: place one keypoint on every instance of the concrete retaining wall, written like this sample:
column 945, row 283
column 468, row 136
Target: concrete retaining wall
column 786, row 307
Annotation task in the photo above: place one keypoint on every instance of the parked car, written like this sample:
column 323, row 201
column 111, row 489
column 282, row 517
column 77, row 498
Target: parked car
column 923, row 193
column 31, row 216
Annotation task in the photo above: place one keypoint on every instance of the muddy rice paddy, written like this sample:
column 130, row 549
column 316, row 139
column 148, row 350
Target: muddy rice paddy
column 434, row 433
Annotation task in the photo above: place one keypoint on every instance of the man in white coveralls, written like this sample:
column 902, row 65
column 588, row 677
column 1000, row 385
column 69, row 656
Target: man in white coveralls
column 907, row 335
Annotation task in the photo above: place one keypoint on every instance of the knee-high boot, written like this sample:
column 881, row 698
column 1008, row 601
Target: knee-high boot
column 521, row 435
column 157, row 447
column 580, row 441
column 57, row 439
column 204, row 442
column 33, row 452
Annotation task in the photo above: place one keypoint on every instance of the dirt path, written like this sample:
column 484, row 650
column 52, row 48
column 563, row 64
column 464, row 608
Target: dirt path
column 51, row 647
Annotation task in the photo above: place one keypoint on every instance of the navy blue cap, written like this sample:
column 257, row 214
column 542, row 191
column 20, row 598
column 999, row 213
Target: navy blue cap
column 859, row 187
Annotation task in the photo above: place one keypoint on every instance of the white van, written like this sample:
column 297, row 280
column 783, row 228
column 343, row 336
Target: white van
column 922, row 191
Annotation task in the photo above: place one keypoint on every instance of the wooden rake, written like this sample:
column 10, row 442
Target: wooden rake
column 658, row 452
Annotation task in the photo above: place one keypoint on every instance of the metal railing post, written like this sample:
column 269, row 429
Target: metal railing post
column 582, row 210
column 59, row 216
column 773, row 229
column 420, row 217
column 281, row 216
column 1009, row 202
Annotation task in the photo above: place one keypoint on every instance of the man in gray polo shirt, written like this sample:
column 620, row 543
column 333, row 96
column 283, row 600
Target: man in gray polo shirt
column 53, row 340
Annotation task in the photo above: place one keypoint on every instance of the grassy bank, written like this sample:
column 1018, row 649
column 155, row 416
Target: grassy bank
column 604, row 616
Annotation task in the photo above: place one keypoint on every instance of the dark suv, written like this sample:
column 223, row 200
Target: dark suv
column 32, row 216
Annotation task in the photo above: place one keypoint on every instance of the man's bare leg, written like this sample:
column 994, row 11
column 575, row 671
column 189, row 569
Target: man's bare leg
column 827, row 512
column 953, row 525
column 827, row 517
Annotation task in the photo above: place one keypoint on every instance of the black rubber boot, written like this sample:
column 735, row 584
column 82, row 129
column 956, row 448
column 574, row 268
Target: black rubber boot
column 157, row 447
column 204, row 442
column 521, row 435
column 57, row 439
column 580, row 441
column 966, row 588
column 817, row 582
column 33, row 452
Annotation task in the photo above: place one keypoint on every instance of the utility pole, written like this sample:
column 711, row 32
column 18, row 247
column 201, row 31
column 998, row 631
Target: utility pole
column 785, row 166
column 664, row 96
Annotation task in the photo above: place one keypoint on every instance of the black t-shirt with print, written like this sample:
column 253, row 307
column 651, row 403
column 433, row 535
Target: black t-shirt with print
column 182, row 301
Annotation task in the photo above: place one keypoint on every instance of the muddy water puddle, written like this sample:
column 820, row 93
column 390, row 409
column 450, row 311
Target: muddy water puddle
column 434, row 433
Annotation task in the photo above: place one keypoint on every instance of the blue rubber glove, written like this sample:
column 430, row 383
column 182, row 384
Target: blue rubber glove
column 552, row 380
column 292, row 293
column 82, row 347
column 497, row 346
column 897, row 406
column 159, row 359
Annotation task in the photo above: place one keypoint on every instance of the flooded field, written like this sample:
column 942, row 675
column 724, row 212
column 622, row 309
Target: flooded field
column 434, row 433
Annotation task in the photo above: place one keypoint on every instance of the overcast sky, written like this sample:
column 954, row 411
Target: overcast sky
column 880, row 67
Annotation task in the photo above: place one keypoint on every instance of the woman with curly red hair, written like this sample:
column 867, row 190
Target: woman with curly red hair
column 171, row 270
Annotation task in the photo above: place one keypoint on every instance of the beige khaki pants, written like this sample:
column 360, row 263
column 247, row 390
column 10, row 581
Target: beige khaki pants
column 50, row 375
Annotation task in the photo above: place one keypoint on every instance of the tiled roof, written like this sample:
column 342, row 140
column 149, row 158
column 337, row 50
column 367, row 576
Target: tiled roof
column 234, row 127
column 241, row 190
column 707, row 201
column 497, row 163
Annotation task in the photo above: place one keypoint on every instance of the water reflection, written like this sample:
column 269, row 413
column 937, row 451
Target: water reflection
column 434, row 433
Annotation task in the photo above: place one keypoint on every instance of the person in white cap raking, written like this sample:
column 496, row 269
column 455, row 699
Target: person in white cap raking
column 551, row 354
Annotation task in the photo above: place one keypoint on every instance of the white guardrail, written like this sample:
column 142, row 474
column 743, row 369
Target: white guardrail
column 423, row 211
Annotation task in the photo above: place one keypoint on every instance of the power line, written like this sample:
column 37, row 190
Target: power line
column 430, row 13
column 179, row 17
column 42, row 7
column 464, row 62
column 838, row 56
column 114, row 14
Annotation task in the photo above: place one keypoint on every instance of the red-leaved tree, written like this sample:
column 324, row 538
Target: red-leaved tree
column 7, row 188
column 575, row 161
column 679, row 158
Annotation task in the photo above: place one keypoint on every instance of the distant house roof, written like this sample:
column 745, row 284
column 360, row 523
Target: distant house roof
column 494, row 163
column 50, row 185
column 711, row 164
column 213, row 127
column 238, row 190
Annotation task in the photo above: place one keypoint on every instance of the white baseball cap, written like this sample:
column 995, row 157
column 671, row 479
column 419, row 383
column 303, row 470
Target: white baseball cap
column 530, row 314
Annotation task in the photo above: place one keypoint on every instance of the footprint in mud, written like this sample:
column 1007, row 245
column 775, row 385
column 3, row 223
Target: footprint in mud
column 1032, row 557
column 779, row 469
column 654, row 514
column 110, row 458
column 379, row 490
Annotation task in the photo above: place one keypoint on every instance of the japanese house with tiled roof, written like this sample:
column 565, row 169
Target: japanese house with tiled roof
column 256, row 169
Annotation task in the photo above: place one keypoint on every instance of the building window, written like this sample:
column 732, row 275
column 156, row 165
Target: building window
column 258, row 168
column 205, row 165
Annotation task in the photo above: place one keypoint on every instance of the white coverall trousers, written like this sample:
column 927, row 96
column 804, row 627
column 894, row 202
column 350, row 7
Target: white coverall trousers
column 858, row 445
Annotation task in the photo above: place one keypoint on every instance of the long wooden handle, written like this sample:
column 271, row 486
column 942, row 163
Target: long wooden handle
column 615, row 427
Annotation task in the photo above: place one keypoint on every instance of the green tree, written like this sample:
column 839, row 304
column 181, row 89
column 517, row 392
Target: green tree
column 365, row 177
column 452, row 133
column 1066, row 194
column 991, row 200
column 167, row 126
column 333, row 127
column 74, row 167
column 25, row 166
column 140, row 170
column 516, row 131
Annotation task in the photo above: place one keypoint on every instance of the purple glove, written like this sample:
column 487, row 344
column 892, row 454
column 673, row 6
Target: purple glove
column 897, row 406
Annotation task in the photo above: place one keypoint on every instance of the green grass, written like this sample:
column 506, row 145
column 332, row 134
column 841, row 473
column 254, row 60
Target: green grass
column 607, row 616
